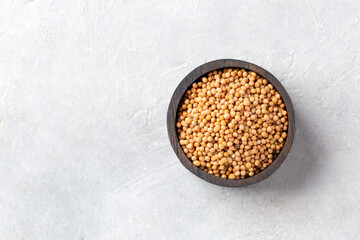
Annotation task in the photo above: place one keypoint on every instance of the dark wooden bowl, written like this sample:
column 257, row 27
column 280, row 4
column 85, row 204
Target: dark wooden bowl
column 195, row 76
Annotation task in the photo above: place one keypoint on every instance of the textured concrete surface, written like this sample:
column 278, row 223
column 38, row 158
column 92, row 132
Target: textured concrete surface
column 84, row 89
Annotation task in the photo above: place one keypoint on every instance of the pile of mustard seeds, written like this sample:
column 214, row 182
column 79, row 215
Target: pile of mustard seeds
column 232, row 123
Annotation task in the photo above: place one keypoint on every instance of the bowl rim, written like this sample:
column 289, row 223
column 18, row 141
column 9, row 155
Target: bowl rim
column 194, row 76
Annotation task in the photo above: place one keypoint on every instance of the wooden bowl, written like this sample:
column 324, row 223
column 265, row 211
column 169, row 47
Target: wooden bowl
column 195, row 75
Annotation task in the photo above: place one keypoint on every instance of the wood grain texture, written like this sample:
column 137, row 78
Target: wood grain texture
column 194, row 76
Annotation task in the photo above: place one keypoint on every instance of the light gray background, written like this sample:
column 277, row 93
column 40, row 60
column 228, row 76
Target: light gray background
column 84, row 90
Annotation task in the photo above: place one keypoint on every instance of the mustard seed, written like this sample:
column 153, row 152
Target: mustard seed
column 232, row 123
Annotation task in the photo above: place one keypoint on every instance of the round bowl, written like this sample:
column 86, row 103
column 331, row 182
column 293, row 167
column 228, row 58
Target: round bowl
column 194, row 76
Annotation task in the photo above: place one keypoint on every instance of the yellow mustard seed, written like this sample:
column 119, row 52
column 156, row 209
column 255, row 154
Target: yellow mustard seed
column 232, row 123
